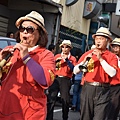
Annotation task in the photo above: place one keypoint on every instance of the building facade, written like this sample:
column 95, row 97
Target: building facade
column 11, row 10
column 75, row 20
column 73, row 26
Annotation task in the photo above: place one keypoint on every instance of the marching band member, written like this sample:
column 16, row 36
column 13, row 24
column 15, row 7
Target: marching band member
column 102, row 65
column 28, row 72
column 115, row 83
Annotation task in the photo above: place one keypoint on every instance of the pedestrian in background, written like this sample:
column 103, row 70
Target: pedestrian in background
column 52, row 48
column 77, row 86
column 52, row 91
column 27, row 73
column 102, row 64
column 10, row 35
column 115, row 83
column 76, row 92
column 58, row 49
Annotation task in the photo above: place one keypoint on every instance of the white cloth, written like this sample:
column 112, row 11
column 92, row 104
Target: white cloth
column 76, row 69
column 107, row 68
column 118, row 61
column 32, row 48
column 111, row 71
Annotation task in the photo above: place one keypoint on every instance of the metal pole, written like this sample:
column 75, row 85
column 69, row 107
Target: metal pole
column 56, row 29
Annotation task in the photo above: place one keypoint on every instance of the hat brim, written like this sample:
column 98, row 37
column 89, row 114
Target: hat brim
column 21, row 19
column 115, row 43
column 101, row 34
column 66, row 44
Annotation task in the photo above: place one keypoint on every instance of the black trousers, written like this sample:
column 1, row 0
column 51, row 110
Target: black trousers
column 63, row 85
column 115, row 102
column 52, row 92
column 95, row 102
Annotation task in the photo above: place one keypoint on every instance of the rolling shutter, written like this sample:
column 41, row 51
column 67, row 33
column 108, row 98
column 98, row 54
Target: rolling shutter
column 3, row 26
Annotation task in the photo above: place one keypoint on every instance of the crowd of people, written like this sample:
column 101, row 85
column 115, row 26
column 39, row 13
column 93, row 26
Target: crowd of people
column 32, row 75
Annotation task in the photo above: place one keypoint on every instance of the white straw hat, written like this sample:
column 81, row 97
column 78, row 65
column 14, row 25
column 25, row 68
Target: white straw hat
column 34, row 17
column 66, row 42
column 116, row 41
column 102, row 31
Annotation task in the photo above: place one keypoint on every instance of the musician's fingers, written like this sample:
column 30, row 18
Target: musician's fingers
column 90, row 55
column 20, row 47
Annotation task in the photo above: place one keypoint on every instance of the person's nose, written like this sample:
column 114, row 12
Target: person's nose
column 25, row 31
column 115, row 47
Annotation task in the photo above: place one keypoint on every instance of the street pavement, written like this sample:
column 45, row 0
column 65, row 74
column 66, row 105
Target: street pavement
column 58, row 113
column 72, row 115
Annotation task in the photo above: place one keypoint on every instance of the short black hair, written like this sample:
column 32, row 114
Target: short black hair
column 8, row 34
column 51, row 47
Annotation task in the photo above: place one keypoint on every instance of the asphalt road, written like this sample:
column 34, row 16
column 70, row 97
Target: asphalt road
column 58, row 113
column 72, row 115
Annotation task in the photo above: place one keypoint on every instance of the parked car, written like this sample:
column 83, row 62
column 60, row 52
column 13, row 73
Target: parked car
column 5, row 41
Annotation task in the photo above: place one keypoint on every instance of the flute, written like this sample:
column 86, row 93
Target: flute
column 3, row 61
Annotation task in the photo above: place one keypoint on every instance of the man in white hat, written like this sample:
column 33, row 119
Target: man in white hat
column 115, row 47
column 100, row 67
column 115, row 83
column 64, row 70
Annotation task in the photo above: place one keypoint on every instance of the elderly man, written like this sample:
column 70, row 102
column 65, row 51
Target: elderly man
column 101, row 65
column 65, row 63
column 115, row 83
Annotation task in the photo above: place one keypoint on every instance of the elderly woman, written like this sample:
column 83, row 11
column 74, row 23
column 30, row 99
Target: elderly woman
column 28, row 71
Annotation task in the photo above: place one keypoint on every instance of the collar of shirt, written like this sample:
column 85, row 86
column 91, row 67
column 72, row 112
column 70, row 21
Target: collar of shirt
column 32, row 48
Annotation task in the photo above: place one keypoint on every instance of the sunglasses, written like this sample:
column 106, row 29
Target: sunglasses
column 65, row 47
column 29, row 29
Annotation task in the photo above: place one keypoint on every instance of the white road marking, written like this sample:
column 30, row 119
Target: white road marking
column 58, row 110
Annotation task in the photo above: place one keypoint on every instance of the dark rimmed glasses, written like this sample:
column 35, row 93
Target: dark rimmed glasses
column 29, row 29
column 115, row 46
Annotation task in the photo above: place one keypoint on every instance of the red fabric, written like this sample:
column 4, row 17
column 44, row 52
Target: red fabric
column 64, row 69
column 21, row 97
column 95, row 71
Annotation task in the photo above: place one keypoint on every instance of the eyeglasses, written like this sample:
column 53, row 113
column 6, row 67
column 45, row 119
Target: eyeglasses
column 29, row 29
column 115, row 46
column 65, row 47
